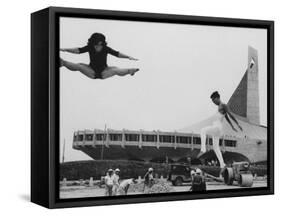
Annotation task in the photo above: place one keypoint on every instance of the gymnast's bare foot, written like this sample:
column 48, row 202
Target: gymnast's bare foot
column 133, row 71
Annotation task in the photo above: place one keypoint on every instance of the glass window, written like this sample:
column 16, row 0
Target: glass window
column 167, row 139
column 100, row 137
column 149, row 138
column 132, row 137
column 211, row 141
column 183, row 139
column 115, row 137
column 89, row 137
column 230, row 143
column 180, row 169
column 196, row 140
column 80, row 137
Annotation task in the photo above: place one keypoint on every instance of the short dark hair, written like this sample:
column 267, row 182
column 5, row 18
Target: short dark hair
column 96, row 38
column 215, row 95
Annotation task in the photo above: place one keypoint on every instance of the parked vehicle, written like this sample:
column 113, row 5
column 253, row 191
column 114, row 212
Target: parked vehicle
column 179, row 173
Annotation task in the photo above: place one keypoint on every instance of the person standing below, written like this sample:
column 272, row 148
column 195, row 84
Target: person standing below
column 198, row 182
column 148, row 179
column 192, row 174
column 124, row 186
column 188, row 161
column 215, row 130
column 116, row 181
column 109, row 181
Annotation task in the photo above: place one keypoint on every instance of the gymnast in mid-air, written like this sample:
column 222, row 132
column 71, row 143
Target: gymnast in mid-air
column 98, row 68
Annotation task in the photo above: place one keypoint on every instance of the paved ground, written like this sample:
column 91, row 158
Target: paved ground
column 220, row 186
column 82, row 191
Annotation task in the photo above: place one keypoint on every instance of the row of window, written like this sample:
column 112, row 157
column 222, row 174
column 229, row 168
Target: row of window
column 151, row 138
column 228, row 143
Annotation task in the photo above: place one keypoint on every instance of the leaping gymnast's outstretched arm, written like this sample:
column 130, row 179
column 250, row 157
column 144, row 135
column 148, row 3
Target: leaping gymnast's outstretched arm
column 71, row 50
column 121, row 55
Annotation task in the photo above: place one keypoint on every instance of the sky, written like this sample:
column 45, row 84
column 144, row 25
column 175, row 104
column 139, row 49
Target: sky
column 180, row 66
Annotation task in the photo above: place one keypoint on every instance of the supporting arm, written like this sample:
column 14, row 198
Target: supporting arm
column 232, row 117
column 229, row 122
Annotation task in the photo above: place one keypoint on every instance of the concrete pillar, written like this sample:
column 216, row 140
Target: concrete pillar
column 192, row 146
column 158, row 139
column 140, row 141
column 64, row 182
column 139, row 179
column 94, row 138
column 175, row 140
column 84, row 137
column 74, row 139
column 107, row 139
column 91, row 182
column 123, row 139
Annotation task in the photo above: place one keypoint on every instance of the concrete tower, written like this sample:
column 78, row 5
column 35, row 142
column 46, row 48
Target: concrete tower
column 245, row 99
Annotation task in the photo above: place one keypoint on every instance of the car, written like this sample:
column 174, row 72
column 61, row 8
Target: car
column 179, row 173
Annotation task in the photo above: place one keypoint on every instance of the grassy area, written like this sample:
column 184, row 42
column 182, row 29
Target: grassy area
column 95, row 169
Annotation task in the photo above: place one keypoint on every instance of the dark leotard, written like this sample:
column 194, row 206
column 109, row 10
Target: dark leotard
column 98, row 60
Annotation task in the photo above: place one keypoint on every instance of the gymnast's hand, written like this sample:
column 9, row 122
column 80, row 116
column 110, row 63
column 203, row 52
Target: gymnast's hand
column 132, row 58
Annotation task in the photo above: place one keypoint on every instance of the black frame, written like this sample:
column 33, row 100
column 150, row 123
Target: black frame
column 45, row 105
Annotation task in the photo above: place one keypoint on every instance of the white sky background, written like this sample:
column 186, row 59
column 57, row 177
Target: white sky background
column 180, row 66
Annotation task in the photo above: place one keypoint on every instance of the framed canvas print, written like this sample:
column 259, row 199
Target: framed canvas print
column 138, row 107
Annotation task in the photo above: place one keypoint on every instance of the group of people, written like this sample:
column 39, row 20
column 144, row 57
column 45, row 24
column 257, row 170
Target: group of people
column 113, row 184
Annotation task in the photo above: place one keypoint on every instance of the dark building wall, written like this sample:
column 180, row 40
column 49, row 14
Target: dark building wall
column 237, row 102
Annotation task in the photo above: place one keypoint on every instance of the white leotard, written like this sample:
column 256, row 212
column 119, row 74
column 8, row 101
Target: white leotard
column 218, row 121
column 216, row 131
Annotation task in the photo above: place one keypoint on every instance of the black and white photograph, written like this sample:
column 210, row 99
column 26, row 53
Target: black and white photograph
column 140, row 107
column 161, row 108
